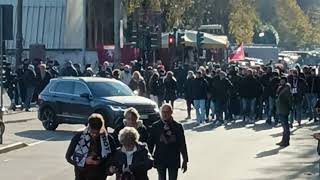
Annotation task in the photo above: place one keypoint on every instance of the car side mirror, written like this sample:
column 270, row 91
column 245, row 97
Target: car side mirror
column 86, row 95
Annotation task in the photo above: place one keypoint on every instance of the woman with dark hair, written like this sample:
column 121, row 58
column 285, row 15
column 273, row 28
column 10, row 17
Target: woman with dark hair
column 188, row 92
column 90, row 151
column 154, row 87
column 170, row 88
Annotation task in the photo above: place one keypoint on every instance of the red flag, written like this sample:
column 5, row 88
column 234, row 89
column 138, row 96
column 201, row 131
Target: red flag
column 238, row 55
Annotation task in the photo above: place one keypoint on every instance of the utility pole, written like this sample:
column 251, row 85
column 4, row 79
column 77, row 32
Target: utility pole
column 2, row 126
column 19, row 37
column 117, row 55
column 84, row 38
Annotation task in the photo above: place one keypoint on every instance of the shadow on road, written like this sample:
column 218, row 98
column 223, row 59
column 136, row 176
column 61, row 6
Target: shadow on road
column 295, row 170
column 59, row 135
column 269, row 152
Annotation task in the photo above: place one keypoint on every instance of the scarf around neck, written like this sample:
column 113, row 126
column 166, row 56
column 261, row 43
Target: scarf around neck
column 83, row 146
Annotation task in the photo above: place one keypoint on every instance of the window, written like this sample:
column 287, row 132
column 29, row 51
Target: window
column 80, row 88
column 65, row 87
column 108, row 89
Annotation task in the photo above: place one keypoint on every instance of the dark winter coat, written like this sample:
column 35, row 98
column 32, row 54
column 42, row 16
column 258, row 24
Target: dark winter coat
column 101, row 169
column 141, row 162
column 284, row 100
column 223, row 88
column 43, row 82
column 274, row 84
column 236, row 82
column 199, row 89
column 142, row 130
column 69, row 71
column 313, row 84
column 301, row 86
column 154, row 87
column 266, row 83
column 250, row 88
column 188, row 89
column 170, row 88
column 139, row 85
column 29, row 79
column 168, row 146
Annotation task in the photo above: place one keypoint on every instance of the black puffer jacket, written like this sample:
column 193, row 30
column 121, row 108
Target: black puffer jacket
column 199, row 89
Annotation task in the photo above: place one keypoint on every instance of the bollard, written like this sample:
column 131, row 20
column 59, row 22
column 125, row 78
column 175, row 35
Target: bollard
column 2, row 128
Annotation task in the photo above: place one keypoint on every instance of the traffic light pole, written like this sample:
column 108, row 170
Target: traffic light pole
column 2, row 127
column 117, row 50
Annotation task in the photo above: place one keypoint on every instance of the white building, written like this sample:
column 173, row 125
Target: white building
column 58, row 24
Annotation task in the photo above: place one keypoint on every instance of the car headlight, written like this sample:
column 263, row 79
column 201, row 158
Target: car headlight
column 117, row 108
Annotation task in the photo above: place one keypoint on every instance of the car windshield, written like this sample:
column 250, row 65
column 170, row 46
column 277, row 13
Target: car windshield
column 108, row 89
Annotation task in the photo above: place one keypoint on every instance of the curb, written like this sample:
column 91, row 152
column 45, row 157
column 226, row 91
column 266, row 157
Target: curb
column 19, row 121
column 12, row 147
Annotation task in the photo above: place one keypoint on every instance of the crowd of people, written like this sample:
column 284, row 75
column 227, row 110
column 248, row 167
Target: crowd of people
column 131, row 150
column 218, row 93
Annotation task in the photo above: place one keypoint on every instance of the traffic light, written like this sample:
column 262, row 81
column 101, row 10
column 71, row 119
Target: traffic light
column 181, row 39
column 171, row 40
column 155, row 40
column 200, row 39
column 134, row 39
column 5, row 72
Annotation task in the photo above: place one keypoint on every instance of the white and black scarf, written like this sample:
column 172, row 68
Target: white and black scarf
column 83, row 146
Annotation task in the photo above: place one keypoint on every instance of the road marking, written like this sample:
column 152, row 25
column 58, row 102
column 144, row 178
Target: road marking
column 39, row 142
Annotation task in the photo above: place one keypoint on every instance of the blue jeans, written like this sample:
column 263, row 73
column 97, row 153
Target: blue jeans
column 312, row 100
column 29, row 96
column 248, row 107
column 200, row 106
column 286, row 129
column 296, row 113
column 270, row 108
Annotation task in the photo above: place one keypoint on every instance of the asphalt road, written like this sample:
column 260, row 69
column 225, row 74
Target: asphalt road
column 232, row 152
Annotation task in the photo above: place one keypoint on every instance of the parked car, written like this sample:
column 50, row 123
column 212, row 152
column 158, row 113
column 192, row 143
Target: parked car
column 72, row 99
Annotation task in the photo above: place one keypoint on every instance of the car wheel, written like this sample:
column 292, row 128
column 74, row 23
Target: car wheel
column 49, row 119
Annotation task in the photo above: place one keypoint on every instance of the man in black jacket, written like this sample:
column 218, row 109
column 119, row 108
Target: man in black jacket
column 199, row 95
column 223, row 88
column 167, row 142
column 91, row 151
column 249, row 91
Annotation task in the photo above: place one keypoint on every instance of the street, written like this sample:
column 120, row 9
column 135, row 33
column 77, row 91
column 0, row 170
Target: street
column 231, row 152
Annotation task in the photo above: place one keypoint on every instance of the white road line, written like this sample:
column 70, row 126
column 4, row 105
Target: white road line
column 39, row 142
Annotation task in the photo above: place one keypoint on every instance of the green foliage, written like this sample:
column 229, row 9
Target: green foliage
column 242, row 20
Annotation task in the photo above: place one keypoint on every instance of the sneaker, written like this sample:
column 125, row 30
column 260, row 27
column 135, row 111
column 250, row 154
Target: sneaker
column 188, row 117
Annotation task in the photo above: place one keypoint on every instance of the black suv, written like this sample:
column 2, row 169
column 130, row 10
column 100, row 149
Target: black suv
column 71, row 100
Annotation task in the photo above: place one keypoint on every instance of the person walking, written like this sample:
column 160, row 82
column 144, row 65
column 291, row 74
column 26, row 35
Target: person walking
column 298, row 90
column 125, row 76
column 132, row 119
column 43, row 77
column 168, row 140
column 249, row 91
column 30, row 82
column 283, row 107
column 170, row 88
column 91, row 151
column 199, row 95
column 132, row 160
column 188, row 92
column 138, row 84
column 311, row 95
column 223, row 90
column 154, row 87
column 69, row 70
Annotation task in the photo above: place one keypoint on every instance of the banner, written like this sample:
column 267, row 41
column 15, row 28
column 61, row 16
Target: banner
column 238, row 55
